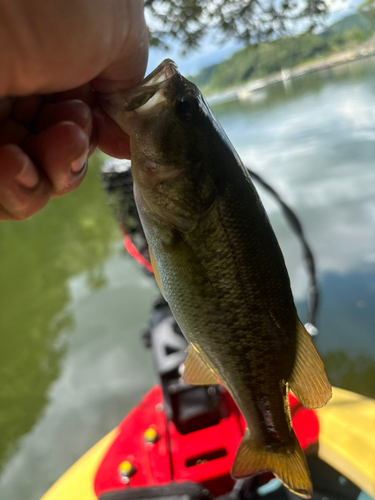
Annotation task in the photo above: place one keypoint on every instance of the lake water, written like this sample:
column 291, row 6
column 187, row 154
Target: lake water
column 73, row 303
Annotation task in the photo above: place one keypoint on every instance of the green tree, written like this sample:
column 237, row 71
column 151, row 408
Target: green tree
column 248, row 21
column 367, row 8
column 256, row 61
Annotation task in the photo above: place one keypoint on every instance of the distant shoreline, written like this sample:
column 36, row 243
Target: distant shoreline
column 244, row 90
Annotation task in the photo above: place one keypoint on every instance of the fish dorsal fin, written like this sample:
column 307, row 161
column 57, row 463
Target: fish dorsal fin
column 309, row 381
column 197, row 371
column 156, row 272
column 287, row 462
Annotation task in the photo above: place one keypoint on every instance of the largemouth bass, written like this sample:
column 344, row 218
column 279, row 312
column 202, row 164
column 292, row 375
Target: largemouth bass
column 219, row 266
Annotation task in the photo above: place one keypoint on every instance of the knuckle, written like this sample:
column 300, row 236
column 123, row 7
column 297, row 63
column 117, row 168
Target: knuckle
column 26, row 206
column 24, row 211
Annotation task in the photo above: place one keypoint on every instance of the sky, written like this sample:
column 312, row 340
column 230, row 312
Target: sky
column 210, row 53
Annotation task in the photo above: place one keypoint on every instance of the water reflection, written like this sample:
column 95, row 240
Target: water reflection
column 353, row 373
column 37, row 258
column 348, row 75
column 314, row 140
column 104, row 372
column 315, row 144
column 346, row 322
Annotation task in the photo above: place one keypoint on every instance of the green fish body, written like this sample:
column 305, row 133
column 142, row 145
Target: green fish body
column 219, row 266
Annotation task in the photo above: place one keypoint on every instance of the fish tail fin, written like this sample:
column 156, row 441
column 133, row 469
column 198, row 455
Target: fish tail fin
column 308, row 380
column 287, row 462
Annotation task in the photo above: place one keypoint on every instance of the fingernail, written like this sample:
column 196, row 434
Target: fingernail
column 78, row 164
column 29, row 176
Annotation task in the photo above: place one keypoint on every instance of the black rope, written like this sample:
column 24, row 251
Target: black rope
column 308, row 258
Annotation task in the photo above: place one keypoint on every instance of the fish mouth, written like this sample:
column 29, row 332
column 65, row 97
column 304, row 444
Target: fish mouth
column 142, row 97
column 163, row 72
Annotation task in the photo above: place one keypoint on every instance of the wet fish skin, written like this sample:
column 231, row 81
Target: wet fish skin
column 221, row 269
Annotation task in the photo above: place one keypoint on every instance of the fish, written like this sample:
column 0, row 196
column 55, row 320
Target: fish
column 219, row 266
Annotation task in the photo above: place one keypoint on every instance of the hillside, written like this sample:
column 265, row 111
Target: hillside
column 266, row 58
column 351, row 22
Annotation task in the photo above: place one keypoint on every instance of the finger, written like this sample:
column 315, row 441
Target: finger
column 73, row 111
column 111, row 139
column 23, row 190
column 25, row 109
column 93, row 141
column 6, row 104
column 129, row 65
column 62, row 45
column 84, row 93
column 12, row 132
column 61, row 151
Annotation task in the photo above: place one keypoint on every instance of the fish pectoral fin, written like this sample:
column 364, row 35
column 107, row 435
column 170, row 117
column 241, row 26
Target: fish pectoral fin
column 287, row 462
column 309, row 381
column 156, row 272
column 188, row 261
column 197, row 371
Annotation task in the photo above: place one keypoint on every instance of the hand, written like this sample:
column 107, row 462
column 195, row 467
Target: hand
column 49, row 52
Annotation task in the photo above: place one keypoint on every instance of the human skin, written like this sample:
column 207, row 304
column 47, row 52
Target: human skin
column 54, row 56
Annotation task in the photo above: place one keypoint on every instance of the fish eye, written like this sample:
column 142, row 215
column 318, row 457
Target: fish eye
column 187, row 108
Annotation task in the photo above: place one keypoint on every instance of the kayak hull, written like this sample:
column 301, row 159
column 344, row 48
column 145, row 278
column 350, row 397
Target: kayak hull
column 342, row 432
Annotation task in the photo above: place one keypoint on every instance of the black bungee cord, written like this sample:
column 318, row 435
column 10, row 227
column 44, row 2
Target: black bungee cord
column 307, row 255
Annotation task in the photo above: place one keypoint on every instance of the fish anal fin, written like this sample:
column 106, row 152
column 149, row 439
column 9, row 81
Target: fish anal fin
column 308, row 380
column 156, row 272
column 196, row 371
column 287, row 462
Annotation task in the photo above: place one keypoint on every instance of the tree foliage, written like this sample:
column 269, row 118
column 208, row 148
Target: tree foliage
column 357, row 21
column 265, row 59
column 248, row 21
column 257, row 61
column 368, row 9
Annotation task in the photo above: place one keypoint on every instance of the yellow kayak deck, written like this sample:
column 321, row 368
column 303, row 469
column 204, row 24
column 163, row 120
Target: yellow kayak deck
column 347, row 437
column 78, row 482
column 346, row 442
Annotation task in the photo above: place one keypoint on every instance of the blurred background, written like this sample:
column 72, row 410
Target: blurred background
column 300, row 111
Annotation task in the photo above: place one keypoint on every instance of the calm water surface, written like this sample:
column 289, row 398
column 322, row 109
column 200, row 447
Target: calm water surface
column 73, row 304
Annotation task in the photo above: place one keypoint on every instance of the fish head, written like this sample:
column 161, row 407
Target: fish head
column 170, row 128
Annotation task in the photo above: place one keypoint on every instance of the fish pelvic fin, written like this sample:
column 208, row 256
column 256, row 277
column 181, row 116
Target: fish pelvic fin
column 197, row 371
column 156, row 272
column 308, row 380
column 287, row 462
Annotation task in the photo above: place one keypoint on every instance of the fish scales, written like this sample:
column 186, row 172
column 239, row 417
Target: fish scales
column 219, row 265
column 230, row 299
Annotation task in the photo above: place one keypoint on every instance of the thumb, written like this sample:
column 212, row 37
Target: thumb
column 130, row 61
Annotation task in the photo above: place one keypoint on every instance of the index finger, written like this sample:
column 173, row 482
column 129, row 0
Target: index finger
column 111, row 139
column 129, row 64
